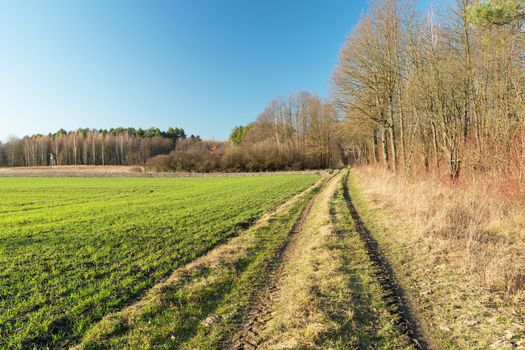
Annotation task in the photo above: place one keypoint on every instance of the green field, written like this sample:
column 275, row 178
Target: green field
column 74, row 250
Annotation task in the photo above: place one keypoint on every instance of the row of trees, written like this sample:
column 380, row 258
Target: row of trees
column 299, row 132
column 429, row 91
column 121, row 146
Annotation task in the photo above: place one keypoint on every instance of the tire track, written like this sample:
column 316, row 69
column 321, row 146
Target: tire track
column 259, row 313
column 394, row 297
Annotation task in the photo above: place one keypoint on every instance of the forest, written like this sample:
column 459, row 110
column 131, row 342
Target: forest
column 436, row 91
column 116, row 146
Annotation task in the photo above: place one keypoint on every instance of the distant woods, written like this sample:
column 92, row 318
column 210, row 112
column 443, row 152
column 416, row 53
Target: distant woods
column 120, row 146
column 298, row 132
column 415, row 92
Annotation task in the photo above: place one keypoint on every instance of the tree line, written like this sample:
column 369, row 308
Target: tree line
column 436, row 91
column 117, row 146
column 294, row 133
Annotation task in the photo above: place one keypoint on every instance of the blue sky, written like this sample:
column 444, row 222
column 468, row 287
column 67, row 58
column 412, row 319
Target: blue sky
column 202, row 65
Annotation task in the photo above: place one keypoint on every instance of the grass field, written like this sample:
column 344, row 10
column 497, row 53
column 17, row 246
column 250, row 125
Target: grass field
column 74, row 250
column 217, row 286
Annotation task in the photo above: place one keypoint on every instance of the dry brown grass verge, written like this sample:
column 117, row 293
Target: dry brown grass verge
column 487, row 231
column 112, row 171
column 460, row 250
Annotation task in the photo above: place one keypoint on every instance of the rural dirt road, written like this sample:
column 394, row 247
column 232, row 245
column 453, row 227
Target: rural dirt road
column 256, row 327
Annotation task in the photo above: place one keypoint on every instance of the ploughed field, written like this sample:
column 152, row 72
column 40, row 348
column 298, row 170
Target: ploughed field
column 74, row 250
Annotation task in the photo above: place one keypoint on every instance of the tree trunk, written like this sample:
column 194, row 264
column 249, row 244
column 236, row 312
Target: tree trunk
column 384, row 151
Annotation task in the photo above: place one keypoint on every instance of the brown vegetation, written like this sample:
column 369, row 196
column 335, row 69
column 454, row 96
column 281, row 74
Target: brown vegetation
column 458, row 250
column 434, row 93
column 300, row 132
column 482, row 228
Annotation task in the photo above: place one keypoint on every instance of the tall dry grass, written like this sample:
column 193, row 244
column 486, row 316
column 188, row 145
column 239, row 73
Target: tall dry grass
column 480, row 231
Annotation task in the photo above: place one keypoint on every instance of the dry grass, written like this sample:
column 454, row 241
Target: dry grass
column 483, row 230
column 459, row 251
column 328, row 297
column 68, row 169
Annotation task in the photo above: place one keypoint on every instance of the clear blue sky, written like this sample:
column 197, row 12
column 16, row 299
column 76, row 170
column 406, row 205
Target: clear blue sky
column 202, row 65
